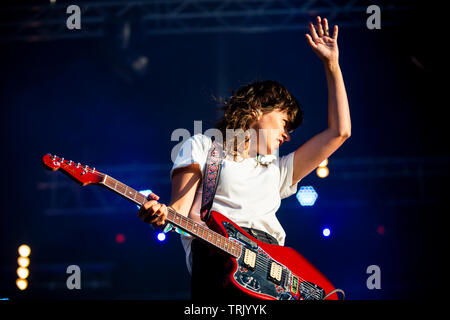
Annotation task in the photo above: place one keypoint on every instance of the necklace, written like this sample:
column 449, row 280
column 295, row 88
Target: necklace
column 264, row 159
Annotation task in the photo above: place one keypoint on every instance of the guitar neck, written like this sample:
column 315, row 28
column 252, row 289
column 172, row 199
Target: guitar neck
column 186, row 224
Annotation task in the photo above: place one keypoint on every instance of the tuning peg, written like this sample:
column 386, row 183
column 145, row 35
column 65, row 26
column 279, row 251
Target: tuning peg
column 85, row 170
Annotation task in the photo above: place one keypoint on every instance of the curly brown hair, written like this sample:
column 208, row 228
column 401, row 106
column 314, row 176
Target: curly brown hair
column 255, row 98
column 245, row 106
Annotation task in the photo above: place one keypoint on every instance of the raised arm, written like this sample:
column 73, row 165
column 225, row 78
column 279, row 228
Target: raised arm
column 309, row 155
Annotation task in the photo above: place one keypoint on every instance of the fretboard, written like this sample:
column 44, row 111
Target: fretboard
column 186, row 224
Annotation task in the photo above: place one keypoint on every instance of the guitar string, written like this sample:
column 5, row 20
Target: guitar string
column 260, row 264
column 307, row 284
column 266, row 263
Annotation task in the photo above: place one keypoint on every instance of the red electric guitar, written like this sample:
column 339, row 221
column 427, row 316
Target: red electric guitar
column 260, row 270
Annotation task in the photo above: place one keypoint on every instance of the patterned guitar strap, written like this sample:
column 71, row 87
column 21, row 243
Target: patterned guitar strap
column 211, row 176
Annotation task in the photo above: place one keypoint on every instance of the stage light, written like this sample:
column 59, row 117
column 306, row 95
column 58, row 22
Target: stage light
column 161, row 236
column 24, row 250
column 326, row 232
column 23, row 262
column 322, row 172
column 307, row 196
column 22, row 284
column 146, row 192
column 23, row 273
column 120, row 238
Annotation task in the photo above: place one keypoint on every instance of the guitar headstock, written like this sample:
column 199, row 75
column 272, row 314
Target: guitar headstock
column 81, row 174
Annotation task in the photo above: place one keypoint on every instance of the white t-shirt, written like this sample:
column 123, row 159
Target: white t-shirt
column 248, row 194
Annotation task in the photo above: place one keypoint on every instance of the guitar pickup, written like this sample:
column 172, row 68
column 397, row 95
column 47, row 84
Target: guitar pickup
column 250, row 259
column 275, row 272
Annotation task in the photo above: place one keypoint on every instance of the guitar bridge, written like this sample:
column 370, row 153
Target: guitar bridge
column 310, row 291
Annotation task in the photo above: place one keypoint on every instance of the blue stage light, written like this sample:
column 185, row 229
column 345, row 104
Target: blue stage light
column 161, row 236
column 326, row 232
column 307, row 196
column 145, row 193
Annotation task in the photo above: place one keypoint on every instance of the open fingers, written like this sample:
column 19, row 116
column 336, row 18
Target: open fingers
column 335, row 32
column 326, row 30
column 313, row 31
column 319, row 27
column 319, row 30
column 310, row 41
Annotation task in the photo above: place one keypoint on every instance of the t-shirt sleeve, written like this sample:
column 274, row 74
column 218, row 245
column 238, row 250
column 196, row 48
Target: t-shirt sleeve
column 193, row 150
column 286, row 165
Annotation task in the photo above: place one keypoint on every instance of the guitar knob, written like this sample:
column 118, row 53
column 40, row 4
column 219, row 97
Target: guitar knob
column 246, row 279
column 255, row 284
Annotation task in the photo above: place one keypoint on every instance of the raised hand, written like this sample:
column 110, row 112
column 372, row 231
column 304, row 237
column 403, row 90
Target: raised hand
column 324, row 46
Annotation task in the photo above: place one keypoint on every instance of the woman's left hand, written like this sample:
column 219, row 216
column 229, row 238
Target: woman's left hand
column 324, row 46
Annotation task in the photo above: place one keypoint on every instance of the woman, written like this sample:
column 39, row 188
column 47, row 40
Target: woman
column 248, row 191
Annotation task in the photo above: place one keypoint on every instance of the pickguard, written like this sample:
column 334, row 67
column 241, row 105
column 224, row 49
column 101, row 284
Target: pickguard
column 259, row 273
column 255, row 275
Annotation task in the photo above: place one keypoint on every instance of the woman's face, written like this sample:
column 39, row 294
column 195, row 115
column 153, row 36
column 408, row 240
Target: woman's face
column 271, row 130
